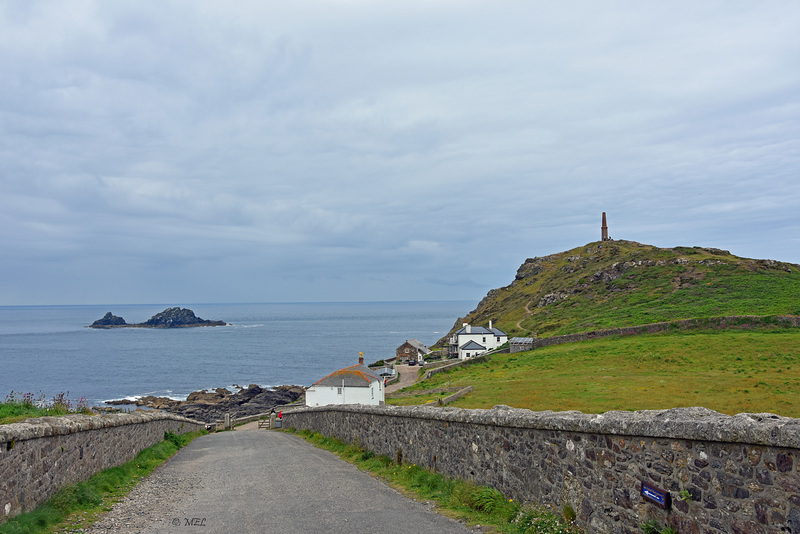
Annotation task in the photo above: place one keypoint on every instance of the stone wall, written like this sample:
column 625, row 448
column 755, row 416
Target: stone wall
column 740, row 473
column 734, row 321
column 40, row 456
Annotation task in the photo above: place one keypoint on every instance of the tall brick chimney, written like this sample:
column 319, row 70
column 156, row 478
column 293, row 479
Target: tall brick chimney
column 361, row 358
column 604, row 229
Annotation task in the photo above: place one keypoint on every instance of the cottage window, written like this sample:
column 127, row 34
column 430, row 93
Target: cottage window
column 406, row 350
column 338, row 391
column 484, row 339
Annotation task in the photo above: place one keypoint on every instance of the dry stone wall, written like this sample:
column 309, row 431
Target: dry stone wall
column 734, row 321
column 738, row 474
column 40, row 456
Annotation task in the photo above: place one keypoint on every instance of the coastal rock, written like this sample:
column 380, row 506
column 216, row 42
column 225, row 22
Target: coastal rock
column 169, row 318
column 164, row 403
column 178, row 317
column 108, row 320
column 204, row 397
column 212, row 406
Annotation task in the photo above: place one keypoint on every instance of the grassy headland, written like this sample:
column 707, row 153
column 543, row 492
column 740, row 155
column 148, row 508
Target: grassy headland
column 623, row 283
column 614, row 284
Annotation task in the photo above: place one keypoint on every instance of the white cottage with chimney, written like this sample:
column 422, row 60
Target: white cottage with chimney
column 470, row 341
column 357, row 384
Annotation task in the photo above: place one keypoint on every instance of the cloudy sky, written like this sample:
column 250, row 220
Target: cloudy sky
column 353, row 150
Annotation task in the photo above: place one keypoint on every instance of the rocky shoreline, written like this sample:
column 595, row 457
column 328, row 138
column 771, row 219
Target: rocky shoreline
column 210, row 406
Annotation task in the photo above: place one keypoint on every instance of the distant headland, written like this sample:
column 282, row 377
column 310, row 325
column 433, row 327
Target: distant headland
column 169, row 318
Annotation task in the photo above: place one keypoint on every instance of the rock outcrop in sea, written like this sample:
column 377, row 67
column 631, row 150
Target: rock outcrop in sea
column 169, row 318
column 210, row 406
column 108, row 321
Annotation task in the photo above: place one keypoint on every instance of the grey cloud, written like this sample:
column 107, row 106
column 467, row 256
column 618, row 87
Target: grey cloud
column 364, row 150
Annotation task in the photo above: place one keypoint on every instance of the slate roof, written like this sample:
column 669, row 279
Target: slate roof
column 419, row 345
column 358, row 376
column 480, row 330
column 522, row 340
column 472, row 346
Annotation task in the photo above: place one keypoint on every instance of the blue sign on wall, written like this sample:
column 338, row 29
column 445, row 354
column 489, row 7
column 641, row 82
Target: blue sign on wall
column 656, row 496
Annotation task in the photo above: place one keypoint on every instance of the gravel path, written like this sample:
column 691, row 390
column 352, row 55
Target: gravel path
column 264, row 481
column 408, row 375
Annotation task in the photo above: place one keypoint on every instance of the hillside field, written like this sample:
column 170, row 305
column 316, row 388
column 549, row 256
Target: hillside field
column 730, row 371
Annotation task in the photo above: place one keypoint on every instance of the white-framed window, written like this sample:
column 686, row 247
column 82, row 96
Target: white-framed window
column 338, row 391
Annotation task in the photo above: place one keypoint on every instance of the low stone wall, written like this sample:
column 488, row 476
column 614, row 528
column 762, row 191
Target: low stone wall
column 739, row 474
column 734, row 321
column 463, row 392
column 40, row 456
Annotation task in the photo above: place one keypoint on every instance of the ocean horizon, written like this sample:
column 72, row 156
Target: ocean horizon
column 47, row 350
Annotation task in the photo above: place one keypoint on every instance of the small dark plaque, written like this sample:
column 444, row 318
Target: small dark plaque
column 656, row 496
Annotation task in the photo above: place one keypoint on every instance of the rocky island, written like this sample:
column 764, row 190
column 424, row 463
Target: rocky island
column 169, row 318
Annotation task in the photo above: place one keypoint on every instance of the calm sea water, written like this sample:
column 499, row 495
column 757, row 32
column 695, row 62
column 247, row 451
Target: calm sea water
column 47, row 349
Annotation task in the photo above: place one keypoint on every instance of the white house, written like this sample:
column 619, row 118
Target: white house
column 470, row 341
column 357, row 384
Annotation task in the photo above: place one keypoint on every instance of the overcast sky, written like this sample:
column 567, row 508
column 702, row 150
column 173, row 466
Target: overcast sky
column 351, row 150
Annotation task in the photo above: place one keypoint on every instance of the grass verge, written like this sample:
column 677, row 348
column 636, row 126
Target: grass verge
column 79, row 505
column 458, row 499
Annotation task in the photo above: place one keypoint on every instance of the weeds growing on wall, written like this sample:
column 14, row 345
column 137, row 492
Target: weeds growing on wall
column 20, row 406
column 456, row 498
column 652, row 527
column 79, row 505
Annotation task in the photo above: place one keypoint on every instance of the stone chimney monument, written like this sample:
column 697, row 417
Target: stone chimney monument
column 604, row 229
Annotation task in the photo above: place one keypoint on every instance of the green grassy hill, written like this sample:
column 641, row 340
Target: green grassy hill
column 623, row 283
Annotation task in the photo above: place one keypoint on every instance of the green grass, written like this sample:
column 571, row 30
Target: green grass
column 728, row 371
column 79, row 505
column 644, row 299
column 456, row 498
column 17, row 407
column 413, row 401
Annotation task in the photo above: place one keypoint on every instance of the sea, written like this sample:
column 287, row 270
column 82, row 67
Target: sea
column 48, row 350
